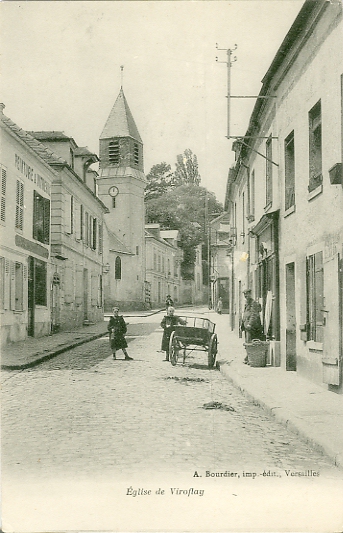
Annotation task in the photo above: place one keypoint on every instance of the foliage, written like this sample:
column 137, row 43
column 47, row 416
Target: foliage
column 183, row 208
column 160, row 181
column 186, row 169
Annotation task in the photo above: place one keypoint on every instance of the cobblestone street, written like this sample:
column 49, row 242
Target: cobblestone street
column 82, row 414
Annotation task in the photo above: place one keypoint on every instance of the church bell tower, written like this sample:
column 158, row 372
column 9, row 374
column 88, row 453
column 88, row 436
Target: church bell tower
column 121, row 185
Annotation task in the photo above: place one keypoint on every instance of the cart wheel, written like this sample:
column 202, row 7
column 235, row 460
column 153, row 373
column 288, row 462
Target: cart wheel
column 173, row 349
column 212, row 350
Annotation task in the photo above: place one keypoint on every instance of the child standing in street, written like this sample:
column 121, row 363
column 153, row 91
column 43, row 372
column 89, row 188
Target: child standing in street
column 117, row 329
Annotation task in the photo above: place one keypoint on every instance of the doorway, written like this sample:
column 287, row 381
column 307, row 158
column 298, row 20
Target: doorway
column 291, row 356
column 31, row 297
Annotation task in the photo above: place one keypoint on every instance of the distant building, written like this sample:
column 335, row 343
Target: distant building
column 121, row 183
column 285, row 199
column 163, row 259
column 25, row 243
column 221, row 261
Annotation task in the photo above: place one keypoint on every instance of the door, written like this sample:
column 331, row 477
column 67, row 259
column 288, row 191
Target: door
column 291, row 354
column 85, row 294
column 31, row 297
column 332, row 354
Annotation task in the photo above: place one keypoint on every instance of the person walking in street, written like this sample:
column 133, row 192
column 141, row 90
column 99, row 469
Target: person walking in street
column 168, row 324
column 117, row 329
column 220, row 306
column 169, row 302
column 251, row 322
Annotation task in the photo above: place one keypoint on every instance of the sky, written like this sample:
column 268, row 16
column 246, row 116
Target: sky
column 61, row 71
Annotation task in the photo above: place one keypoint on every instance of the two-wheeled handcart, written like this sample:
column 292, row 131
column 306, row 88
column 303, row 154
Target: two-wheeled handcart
column 197, row 334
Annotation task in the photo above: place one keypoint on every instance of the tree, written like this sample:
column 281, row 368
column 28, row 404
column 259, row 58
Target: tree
column 160, row 181
column 183, row 208
column 186, row 169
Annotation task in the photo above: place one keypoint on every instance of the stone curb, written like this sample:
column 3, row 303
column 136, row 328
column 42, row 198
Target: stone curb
column 53, row 353
column 285, row 417
column 70, row 346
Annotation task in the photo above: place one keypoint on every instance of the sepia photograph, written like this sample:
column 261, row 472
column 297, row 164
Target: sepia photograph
column 171, row 266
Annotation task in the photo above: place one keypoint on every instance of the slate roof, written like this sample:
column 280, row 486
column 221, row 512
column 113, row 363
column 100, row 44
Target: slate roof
column 50, row 135
column 40, row 149
column 115, row 244
column 120, row 122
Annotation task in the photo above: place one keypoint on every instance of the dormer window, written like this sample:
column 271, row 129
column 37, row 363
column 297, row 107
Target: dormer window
column 136, row 153
column 113, row 152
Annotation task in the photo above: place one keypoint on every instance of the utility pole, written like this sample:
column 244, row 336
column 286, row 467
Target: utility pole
column 207, row 226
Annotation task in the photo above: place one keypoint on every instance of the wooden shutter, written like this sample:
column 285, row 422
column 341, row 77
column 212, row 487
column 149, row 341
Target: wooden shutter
column 3, row 195
column 95, row 229
column 12, row 290
column 100, row 247
column 25, row 287
column 7, row 285
column 79, row 285
column 77, row 230
column 46, row 220
column 19, row 212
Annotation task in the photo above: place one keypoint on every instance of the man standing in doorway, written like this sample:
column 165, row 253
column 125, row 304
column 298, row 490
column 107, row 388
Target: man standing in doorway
column 251, row 322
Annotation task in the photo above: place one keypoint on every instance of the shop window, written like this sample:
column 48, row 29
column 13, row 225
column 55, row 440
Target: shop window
column 41, row 218
column 315, row 147
column 19, row 209
column 289, row 171
column 117, row 268
column 40, row 282
column 315, row 297
column 113, row 152
column 3, row 194
column 269, row 172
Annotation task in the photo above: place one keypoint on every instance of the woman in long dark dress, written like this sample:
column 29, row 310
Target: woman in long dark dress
column 117, row 329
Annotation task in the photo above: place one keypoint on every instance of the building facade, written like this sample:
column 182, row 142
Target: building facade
column 77, row 251
column 285, row 198
column 163, row 259
column 25, row 258
column 220, row 261
column 121, row 183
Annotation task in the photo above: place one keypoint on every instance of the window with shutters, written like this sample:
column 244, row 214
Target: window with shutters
column 113, row 152
column 3, row 194
column 117, row 268
column 40, row 282
column 315, row 297
column 81, row 222
column 19, row 209
column 289, row 171
column 86, row 228
column 94, row 233
column 41, row 218
column 100, row 247
column 90, row 231
column 69, row 214
column 315, row 147
column 269, row 172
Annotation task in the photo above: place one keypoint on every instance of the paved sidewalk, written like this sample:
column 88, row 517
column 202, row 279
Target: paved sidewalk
column 32, row 351
column 306, row 408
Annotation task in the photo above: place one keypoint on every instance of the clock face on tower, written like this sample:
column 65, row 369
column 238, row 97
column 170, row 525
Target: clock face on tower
column 113, row 191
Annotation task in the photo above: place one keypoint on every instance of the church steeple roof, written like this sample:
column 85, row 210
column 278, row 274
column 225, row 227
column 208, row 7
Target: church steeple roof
column 120, row 122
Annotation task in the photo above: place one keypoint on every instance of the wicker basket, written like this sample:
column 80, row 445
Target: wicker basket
column 257, row 352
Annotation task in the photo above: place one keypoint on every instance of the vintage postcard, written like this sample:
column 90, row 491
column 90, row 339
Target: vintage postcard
column 171, row 293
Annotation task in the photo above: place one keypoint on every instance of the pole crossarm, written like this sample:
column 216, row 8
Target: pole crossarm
column 259, row 153
column 251, row 137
